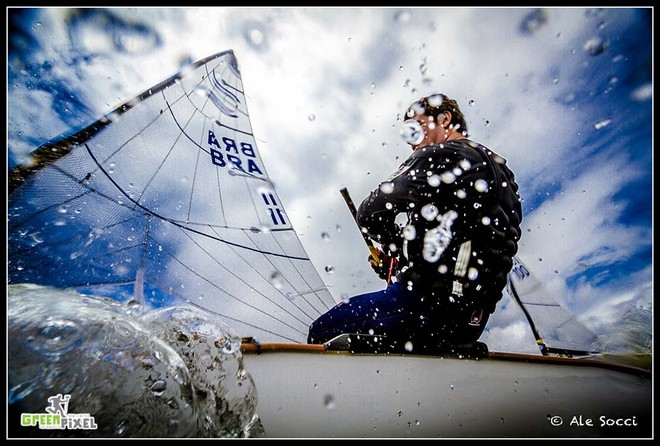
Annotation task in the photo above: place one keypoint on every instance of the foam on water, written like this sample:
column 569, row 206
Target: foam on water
column 173, row 372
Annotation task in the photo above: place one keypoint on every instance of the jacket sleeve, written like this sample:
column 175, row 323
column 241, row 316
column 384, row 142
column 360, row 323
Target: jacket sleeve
column 377, row 213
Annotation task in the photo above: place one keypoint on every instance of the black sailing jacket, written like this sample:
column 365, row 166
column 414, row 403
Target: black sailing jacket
column 463, row 226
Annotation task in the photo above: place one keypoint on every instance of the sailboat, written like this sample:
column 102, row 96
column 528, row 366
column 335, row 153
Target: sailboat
column 166, row 201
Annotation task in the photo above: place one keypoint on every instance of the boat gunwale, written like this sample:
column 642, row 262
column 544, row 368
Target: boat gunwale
column 275, row 347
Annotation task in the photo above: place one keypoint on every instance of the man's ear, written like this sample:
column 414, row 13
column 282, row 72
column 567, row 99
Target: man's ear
column 445, row 119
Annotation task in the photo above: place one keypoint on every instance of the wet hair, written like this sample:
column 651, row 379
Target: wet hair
column 436, row 104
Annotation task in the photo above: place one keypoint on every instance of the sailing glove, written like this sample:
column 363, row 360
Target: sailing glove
column 385, row 266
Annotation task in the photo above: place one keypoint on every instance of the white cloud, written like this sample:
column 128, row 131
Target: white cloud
column 355, row 70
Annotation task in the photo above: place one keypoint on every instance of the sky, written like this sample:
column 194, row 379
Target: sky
column 564, row 94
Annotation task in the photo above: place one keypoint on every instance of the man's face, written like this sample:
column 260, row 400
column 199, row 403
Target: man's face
column 421, row 130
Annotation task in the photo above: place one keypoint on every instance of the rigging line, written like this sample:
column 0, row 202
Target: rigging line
column 258, row 310
column 535, row 304
column 537, row 336
column 244, row 282
column 175, row 223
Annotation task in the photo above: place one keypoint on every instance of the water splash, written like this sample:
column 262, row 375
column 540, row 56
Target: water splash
column 139, row 374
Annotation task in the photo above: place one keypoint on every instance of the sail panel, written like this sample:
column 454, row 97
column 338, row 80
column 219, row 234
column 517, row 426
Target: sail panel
column 167, row 198
column 555, row 325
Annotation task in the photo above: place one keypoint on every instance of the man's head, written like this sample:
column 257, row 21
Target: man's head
column 439, row 118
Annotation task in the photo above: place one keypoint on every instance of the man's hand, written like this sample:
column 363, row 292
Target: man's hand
column 384, row 266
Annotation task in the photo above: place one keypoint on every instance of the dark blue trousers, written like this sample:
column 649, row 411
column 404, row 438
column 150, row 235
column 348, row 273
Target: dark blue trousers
column 403, row 317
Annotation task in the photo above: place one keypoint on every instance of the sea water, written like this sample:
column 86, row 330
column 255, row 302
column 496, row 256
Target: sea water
column 81, row 366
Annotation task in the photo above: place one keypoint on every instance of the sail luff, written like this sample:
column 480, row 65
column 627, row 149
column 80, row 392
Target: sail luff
column 166, row 199
column 61, row 145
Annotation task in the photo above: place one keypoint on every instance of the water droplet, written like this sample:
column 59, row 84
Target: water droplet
column 412, row 132
column 37, row 238
column 311, row 117
column 255, row 37
column 600, row 124
column 465, row 164
column 485, row 221
column 329, row 269
column 471, row 102
column 595, row 46
column 481, row 185
column 433, row 180
column 276, row 279
column 158, row 387
column 228, row 345
column 403, row 16
column 429, row 212
column 409, row 232
column 448, row 177
column 325, row 236
column 329, row 402
column 387, row 188
column 147, row 363
column 451, row 386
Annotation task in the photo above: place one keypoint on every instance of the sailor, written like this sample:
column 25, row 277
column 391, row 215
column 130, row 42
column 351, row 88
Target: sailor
column 447, row 265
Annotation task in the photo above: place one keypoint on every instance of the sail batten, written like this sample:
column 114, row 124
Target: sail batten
column 166, row 199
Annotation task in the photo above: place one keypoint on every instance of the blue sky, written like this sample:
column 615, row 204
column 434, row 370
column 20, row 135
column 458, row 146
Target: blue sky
column 564, row 94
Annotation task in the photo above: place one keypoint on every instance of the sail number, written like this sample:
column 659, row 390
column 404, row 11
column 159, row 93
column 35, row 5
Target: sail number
column 237, row 154
column 276, row 215
column 519, row 269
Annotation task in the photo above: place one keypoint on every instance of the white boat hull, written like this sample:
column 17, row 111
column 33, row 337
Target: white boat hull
column 325, row 394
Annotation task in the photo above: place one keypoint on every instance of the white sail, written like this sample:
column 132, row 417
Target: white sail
column 166, row 198
column 555, row 328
